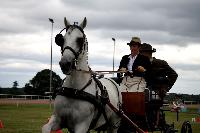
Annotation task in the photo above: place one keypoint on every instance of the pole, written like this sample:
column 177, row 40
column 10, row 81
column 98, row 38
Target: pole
column 113, row 55
column 50, row 88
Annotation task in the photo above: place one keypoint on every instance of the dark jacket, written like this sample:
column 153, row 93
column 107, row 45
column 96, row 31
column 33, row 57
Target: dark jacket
column 140, row 60
column 162, row 73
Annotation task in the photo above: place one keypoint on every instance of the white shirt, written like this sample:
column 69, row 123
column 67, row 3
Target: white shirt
column 130, row 64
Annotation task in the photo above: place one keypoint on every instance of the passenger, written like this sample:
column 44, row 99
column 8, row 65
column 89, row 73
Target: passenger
column 136, row 67
column 161, row 73
column 163, row 76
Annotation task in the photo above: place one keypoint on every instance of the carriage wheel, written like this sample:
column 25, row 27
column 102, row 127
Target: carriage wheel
column 186, row 127
column 170, row 130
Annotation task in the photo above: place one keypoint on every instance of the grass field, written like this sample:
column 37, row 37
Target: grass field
column 29, row 118
column 184, row 116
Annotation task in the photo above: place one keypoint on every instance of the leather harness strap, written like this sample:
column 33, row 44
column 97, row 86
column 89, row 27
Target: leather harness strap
column 98, row 101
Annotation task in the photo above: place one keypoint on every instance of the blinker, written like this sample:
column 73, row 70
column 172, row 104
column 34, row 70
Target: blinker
column 59, row 40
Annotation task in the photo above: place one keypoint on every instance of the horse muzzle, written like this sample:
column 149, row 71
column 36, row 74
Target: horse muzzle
column 66, row 67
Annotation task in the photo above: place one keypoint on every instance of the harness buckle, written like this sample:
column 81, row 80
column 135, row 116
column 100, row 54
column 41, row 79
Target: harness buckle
column 75, row 92
column 104, row 95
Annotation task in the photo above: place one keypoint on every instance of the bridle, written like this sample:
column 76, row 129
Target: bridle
column 72, row 50
column 59, row 39
column 76, row 54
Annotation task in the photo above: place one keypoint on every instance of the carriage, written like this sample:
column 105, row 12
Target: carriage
column 87, row 100
column 144, row 108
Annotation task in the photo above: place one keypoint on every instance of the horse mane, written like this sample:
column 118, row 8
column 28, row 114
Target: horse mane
column 84, row 52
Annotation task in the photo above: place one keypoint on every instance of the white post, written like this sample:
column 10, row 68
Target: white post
column 50, row 88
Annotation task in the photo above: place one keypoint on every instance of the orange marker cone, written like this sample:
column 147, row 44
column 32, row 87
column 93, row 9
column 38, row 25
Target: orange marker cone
column 1, row 124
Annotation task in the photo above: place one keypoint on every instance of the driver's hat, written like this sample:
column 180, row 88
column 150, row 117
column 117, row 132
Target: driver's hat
column 135, row 41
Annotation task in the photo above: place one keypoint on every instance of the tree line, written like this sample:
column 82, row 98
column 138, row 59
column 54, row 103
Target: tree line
column 38, row 85
column 184, row 97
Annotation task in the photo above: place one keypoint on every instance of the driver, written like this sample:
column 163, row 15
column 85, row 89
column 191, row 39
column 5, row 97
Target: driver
column 136, row 68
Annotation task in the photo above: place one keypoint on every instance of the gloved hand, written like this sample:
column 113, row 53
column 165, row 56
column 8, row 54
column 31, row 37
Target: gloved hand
column 123, row 70
column 140, row 69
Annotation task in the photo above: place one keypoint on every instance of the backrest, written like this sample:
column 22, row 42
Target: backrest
column 133, row 103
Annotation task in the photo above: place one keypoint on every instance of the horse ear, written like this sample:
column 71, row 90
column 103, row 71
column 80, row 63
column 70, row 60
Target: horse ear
column 66, row 22
column 84, row 23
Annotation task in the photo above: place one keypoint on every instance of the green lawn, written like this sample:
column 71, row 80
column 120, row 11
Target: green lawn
column 25, row 118
column 29, row 118
column 187, row 116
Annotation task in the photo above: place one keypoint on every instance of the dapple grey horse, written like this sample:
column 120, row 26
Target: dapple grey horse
column 76, row 108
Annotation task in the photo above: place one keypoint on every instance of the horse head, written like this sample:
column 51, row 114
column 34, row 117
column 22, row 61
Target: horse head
column 71, row 44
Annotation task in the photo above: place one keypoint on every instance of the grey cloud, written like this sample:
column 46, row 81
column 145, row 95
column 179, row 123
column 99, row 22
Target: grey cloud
column 103, row 61
column 176, row 20
column 155, row 21
column 187, row 67
column 27, row 56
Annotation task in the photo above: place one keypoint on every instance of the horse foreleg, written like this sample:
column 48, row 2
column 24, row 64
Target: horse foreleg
column 83, row 127
column 51, row 126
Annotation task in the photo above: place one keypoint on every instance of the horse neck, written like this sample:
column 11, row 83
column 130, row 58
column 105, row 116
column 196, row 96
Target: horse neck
column 82, row 61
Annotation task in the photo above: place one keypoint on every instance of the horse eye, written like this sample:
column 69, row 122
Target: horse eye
column 80, row 40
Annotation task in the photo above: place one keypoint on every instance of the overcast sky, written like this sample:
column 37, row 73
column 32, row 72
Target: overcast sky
column 170, row 26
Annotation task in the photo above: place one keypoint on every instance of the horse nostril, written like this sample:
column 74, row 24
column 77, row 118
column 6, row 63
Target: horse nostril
column 68, row 64
column 61, row 63
column 64, row 63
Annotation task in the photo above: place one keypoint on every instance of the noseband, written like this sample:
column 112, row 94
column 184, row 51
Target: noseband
column 72, row 50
